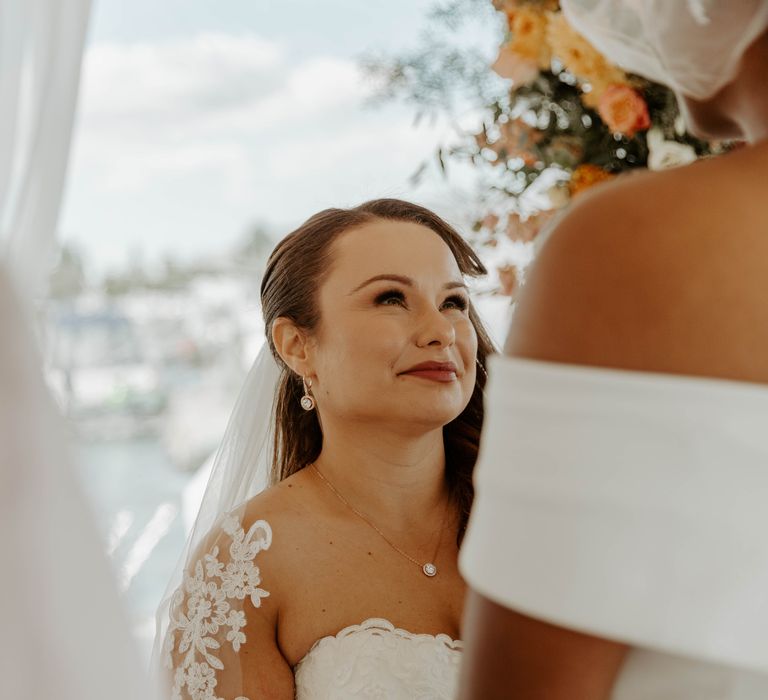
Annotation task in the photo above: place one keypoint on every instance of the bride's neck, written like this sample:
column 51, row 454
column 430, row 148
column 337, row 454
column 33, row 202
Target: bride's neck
column 400, row 478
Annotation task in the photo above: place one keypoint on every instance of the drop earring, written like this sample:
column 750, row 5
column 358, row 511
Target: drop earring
column 307, row 401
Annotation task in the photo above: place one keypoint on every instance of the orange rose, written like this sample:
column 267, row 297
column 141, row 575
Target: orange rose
column 582, row 59
column 515, row 67
column 623, row 110
column 586, row 176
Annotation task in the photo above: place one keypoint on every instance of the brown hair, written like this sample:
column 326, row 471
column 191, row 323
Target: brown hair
column 295, row 271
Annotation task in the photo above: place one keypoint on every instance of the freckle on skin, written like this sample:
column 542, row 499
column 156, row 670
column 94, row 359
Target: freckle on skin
column 370, row 554
column 331, row 542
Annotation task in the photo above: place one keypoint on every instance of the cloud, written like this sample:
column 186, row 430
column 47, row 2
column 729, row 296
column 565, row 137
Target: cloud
column 207, row 73
column 208, row 81
column 183, row 142
column 200, row 104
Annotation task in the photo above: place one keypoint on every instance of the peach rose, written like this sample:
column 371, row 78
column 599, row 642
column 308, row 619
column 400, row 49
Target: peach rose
column 511, row 65
column 624, row 110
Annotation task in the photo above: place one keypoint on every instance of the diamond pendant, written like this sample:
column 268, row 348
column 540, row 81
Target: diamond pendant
column 429, row 569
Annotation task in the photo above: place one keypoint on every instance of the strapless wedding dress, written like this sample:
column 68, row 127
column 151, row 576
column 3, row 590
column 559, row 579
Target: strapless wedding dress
column 379, row 661
column 208, row 626
column 630, row 505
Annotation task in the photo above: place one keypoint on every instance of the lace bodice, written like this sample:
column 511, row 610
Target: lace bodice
column 208, row 626
column 378, row 661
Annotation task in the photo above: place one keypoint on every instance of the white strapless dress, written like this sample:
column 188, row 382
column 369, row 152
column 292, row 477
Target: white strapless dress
column 379, row 661
column 632, row 506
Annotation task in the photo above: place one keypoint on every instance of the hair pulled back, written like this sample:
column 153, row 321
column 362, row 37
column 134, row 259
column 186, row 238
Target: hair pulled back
column 295, row 271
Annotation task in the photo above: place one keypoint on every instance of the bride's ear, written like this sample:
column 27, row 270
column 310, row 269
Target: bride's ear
column 292, row 344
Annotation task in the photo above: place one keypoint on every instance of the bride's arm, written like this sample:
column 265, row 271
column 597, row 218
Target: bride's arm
column 514, row 656
column 222, row 640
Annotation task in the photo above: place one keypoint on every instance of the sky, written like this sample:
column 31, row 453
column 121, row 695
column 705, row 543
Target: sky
column 197, row 119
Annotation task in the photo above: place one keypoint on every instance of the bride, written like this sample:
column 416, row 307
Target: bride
column 340, row 580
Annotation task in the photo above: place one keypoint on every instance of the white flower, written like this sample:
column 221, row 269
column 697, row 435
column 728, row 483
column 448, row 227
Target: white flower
column 667, row 154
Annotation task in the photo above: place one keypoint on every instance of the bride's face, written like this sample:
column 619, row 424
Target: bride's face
column 393, row 299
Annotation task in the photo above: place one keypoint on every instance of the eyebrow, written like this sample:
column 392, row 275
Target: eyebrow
column 407, row 281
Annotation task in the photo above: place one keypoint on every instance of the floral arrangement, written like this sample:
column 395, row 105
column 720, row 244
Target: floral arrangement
column 571, row 114
column 560, row 119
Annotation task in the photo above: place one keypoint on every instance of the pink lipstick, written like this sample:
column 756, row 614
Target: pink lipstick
column 435, row 371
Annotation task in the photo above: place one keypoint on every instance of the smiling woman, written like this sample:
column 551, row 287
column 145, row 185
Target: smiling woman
column 350, row 557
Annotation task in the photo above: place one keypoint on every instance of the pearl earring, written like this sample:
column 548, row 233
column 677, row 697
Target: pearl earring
column 307, row 401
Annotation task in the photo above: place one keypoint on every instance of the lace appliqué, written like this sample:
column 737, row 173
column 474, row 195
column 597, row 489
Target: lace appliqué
column 202, row 607
column 377, row 661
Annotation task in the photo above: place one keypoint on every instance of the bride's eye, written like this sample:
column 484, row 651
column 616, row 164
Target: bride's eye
column 392, row 297
column 456, row 301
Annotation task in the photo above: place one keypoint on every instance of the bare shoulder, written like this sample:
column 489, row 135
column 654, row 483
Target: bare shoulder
column 283, row 502
column 260, row 535
column 224, row 616
column 656, row 272
column 287, row 508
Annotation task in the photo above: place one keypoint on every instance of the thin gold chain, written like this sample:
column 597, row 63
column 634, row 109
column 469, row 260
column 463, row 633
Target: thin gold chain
column 381, row 534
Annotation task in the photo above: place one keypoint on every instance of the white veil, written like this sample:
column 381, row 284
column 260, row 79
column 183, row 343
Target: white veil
column 240, row 470
column 693, row 46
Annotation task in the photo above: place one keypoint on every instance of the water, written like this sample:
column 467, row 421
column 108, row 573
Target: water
column 136, row 495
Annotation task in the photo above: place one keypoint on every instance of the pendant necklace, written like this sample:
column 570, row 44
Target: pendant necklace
column 429, row 568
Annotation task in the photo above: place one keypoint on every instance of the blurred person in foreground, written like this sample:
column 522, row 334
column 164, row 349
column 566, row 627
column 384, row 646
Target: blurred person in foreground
column 616, row 548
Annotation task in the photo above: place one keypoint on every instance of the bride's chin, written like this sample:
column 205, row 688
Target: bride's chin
column 429, row 416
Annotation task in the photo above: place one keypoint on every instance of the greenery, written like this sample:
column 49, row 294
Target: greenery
column 549, row 105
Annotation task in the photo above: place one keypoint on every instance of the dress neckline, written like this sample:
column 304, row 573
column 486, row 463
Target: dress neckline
column 503, row 364
column 382, row 625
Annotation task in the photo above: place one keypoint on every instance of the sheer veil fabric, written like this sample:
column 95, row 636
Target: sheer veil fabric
column 693, row 46
column 200, row 620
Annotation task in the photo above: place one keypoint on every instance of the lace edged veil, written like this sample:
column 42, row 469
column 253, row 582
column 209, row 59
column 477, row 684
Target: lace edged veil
column 200, row 619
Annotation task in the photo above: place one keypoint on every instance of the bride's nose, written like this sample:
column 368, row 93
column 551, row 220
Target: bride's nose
column 434, row 329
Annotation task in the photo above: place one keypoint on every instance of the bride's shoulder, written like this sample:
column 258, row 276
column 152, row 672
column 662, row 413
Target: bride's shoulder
column 223, row 617
column 646, row 272
column 256, row 539
column 284, row 510
column 284, row 505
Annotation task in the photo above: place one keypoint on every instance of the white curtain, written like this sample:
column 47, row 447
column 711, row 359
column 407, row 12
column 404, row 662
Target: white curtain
column 63, row 633
column 41, row 45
